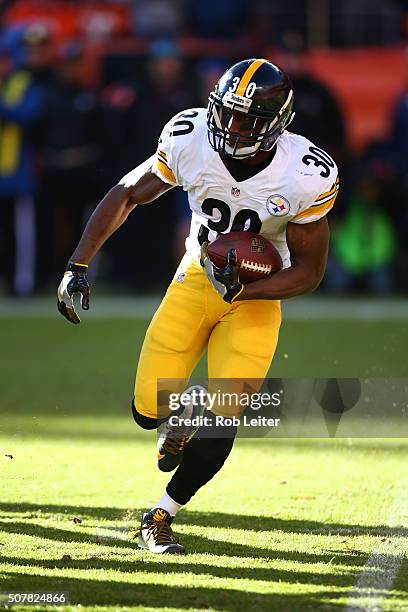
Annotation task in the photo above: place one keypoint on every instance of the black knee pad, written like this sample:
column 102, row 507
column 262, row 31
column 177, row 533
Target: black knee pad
column 143, row 421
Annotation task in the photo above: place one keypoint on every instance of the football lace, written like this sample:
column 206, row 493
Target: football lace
column 256, row 267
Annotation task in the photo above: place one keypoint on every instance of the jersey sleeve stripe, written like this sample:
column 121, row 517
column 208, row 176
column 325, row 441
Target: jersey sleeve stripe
column 166, row 172
column 327, row 198
column 247, row 76
column 163, row 159
column 317, row 210
column 163, row 154
column 333, row 189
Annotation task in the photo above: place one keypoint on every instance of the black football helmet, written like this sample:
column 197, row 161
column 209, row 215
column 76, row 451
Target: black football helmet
column 262, row 93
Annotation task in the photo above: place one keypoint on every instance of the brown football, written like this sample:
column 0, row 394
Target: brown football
column 256, row 256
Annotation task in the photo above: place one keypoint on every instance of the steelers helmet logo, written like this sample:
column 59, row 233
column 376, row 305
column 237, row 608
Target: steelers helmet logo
column 277, row 205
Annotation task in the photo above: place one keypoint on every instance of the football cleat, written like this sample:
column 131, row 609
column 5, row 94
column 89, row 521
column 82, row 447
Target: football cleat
column 174, row 437
column 155, row 533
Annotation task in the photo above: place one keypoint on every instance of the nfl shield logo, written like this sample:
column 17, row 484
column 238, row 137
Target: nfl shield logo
column 257, row 244
column 277, row 205
column 235, row 192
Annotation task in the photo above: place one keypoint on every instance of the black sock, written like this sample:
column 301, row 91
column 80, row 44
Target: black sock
column 203, row 457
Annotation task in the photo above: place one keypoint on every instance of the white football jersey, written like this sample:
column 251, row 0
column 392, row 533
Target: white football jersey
column 299, row 185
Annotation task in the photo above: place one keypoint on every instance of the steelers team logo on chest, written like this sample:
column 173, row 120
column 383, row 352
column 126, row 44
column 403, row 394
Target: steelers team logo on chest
column 277, row 205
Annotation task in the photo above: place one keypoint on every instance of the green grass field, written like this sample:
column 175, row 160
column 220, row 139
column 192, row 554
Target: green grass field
column 287, row 525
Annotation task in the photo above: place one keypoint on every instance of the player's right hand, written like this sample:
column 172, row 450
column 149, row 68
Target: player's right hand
column 73, row 282
column 224, row 280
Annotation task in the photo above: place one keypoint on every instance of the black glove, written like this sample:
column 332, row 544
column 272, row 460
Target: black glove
column 74, row 281
column 224, row 280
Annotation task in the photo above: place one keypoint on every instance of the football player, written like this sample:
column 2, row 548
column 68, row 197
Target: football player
column 242, row 170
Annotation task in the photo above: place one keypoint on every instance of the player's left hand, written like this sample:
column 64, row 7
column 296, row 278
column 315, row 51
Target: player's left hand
column 224, row 280
column 74, row 281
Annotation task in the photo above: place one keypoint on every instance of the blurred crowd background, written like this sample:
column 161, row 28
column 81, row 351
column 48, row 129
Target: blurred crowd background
column 86, row 87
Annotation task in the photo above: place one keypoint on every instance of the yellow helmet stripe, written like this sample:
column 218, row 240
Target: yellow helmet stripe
column 247, row 76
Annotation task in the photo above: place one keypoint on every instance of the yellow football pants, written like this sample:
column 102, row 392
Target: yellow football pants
column 241, row 338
